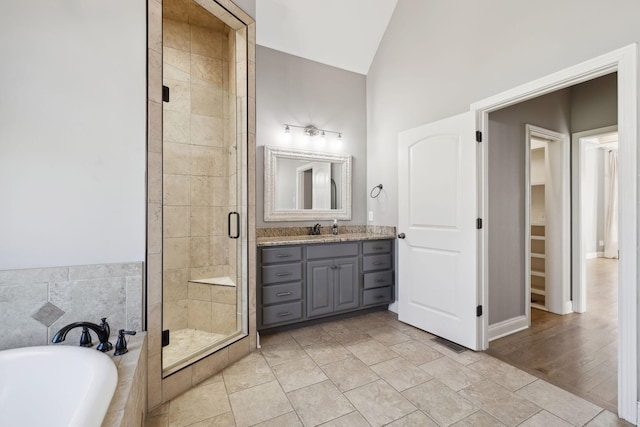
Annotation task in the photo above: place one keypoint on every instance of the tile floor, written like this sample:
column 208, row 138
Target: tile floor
column 373, row 370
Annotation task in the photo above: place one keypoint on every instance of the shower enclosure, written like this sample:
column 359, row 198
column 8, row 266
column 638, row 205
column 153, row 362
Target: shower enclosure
column 204, row 184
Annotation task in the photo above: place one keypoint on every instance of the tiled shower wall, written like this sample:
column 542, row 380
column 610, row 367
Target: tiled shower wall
column 198, row 158
column 36, row 303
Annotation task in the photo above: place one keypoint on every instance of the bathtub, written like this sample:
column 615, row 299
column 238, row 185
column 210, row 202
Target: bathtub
column 55, row 385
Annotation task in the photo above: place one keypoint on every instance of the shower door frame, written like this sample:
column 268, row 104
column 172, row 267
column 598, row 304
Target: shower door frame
column 160, row 388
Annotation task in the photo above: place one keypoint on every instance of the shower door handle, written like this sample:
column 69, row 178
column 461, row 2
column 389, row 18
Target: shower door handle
column 237, row 225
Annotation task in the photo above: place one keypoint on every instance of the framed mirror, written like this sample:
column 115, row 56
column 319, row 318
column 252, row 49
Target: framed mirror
column 306, row 185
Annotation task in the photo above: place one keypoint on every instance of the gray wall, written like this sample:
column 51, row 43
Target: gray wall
column 507, row 196
column 298, row 91
column 439, row 56
column 249, row 6
column 72, row 133
column 594, row 104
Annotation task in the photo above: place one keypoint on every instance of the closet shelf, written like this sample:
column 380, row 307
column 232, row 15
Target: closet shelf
column 537, row 237
column 538, row 291
column 538, row 306
column 536, row 255
column 537, row 273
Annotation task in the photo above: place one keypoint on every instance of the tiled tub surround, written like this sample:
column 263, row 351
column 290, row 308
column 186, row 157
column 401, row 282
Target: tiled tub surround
column 128, row 406
column 35, row 303
column 274, row 236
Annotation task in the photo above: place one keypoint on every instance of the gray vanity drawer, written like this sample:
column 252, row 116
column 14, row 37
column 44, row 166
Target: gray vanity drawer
column 376, row 280
column 281, row 273
column 281, row 254
column 332, row 250
column 282, row 313
column 376, row 262
column 376, row 247
column 281, row 293
column 377, row 296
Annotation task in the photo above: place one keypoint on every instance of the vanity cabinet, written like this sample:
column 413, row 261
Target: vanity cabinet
column 281, row 278
column 297, row 283
column 332, row 282
column 377, row 267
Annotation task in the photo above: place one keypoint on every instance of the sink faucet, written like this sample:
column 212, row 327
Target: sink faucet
column 103, row 331
column 315, row 231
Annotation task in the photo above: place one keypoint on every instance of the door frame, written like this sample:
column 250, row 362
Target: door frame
column 578, row 255
column 558, row 299
column 624, row 62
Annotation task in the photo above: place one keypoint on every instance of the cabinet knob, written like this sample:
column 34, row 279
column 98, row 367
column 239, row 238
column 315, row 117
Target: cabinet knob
column 401, row 236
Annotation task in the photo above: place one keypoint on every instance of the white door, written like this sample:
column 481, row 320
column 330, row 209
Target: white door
column 437, row 277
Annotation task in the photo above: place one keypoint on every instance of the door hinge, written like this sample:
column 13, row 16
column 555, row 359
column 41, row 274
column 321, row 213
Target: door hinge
column 479, row 223
column 165, row 94
column 478, row 136
column 165, row 338
column 479, row 311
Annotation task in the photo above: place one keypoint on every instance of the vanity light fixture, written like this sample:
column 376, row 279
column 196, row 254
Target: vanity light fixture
column 311, row 130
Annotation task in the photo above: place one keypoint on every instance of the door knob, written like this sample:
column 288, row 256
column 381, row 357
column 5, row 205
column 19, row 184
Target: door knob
column 401, row 236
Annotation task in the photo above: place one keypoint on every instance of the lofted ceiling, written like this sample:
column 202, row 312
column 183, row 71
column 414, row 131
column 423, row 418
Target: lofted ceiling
column 341, row 33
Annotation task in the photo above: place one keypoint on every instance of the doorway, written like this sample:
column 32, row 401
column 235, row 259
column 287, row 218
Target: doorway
column 622, row 61
column 562, row 350
column 510, row 217
column 595, row 204
column 575, row 352
column 547, row 220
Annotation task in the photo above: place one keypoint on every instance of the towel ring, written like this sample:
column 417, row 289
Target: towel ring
column 373, row 190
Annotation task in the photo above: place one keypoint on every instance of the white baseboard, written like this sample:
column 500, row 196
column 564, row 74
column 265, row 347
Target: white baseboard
column 394, row 307
column 592, row 255
column 568, row 307
column 507, row 327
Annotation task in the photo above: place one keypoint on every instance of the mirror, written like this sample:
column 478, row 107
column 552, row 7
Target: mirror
column 306, row 185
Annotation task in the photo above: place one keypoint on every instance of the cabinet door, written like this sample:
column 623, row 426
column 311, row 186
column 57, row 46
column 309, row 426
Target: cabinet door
column 320, row 287
column 346, row 284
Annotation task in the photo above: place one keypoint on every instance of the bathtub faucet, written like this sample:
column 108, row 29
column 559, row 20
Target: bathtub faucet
column 103, row 331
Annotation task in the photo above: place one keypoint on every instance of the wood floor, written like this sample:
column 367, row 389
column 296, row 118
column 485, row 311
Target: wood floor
column 577, row 352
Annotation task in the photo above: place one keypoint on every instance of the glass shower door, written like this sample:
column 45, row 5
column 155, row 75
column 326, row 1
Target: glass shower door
column 204, row 186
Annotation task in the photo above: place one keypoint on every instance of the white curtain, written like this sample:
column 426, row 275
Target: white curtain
column 611, row 205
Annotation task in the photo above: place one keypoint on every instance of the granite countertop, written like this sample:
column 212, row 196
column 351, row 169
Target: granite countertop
column 322, row 238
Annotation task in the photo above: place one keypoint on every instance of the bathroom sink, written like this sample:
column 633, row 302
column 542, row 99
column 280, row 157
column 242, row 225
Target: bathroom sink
column 55, row 385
